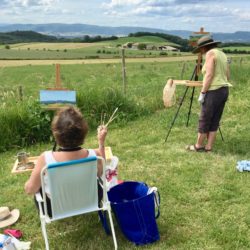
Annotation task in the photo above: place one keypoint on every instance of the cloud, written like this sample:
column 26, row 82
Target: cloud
column 175, row 8
column 30, row 3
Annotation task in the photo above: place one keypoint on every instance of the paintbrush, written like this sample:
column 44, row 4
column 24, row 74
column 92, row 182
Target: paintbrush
column 112, row 117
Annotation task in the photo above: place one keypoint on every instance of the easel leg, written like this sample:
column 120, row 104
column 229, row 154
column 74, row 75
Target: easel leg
column 222, row 138
column 190, row 106
column 181, row 102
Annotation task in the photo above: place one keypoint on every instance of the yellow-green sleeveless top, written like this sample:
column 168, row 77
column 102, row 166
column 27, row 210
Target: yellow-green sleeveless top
column 220, row 71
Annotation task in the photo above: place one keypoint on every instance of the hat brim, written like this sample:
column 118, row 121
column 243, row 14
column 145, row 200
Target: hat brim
column 12, row 218
column 197, row 50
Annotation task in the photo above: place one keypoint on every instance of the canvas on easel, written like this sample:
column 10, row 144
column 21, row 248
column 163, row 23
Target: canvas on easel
column 57, row 97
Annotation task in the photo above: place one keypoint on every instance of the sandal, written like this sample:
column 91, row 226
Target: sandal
column 193, row 148
column 208, row 150
column 13, row 232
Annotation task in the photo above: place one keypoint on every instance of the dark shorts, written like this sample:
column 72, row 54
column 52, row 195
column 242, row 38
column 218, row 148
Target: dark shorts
column 212, row 109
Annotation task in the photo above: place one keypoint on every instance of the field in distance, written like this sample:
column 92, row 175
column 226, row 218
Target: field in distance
column 107, row 49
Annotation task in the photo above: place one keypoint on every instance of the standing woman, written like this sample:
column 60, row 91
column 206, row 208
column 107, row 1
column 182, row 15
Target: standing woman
column 214, row 93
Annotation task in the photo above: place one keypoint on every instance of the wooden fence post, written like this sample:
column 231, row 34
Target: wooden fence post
column 124, row 80
column 20, row 92
column 183, row 69
column 58, row 77
column 241, row 60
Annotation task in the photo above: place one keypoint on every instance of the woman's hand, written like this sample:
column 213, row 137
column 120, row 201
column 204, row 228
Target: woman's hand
column 101, row 134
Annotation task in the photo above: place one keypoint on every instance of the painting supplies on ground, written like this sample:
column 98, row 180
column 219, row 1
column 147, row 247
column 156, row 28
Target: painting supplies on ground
column 243, row 166
column 24, row 163
column 8, row 242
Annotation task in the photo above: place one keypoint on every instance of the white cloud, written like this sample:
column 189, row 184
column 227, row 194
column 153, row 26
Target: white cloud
column 175, row 8
column 30, row 3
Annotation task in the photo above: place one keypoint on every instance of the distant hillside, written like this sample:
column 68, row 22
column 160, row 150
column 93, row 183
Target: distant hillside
column 239, row 36
column 24, row 37
column 139, row 37
column 76, row 30
column 31, row 36
column 79, row 30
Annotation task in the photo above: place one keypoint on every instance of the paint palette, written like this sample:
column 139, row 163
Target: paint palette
column 21, row 168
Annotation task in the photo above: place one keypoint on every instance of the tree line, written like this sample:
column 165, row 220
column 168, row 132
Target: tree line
column 32, row 36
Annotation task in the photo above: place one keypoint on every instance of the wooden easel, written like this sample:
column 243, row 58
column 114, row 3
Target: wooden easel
column 57, row 97
column 200, row 33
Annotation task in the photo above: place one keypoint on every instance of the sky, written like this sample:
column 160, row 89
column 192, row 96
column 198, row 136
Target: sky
column 213, row 15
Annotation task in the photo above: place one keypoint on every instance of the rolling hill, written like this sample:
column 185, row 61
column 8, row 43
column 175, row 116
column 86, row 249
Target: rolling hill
column 79, row 30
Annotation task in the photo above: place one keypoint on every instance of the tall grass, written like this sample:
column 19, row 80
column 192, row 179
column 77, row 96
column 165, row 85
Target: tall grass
column 99, row 90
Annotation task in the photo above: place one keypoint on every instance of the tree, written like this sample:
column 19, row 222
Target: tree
column 142, row 46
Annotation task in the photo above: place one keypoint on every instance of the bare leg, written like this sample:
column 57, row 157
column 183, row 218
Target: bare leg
column 211, row 140
column 200, row 140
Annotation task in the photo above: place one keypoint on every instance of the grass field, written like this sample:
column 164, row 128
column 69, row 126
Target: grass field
column 13, row 63
column 238, row 48
column 85, row 53
column 204, row 200
column 51, row 46
column 108, row 49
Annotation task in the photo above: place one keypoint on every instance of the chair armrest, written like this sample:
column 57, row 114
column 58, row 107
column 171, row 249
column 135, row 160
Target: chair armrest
column 38, row 197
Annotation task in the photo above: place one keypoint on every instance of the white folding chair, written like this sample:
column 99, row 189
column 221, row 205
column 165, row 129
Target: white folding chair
column 73, row 191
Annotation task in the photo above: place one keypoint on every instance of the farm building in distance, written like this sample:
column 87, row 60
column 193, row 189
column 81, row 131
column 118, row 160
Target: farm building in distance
column 168, row 48
column 135, row 46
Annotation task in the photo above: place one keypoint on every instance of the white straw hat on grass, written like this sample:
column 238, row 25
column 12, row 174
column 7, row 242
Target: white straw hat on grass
column 8, row 217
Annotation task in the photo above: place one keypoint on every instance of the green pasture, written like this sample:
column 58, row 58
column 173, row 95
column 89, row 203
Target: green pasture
column 246, row 48
column 83, row 53
column 204, row 200
column 108, row 49
column 142, row 39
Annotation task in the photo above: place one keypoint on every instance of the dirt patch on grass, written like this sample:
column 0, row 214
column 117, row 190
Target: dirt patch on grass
column 52, row 46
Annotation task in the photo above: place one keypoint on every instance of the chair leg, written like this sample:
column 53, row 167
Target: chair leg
column 112, row 227
column 43, row 224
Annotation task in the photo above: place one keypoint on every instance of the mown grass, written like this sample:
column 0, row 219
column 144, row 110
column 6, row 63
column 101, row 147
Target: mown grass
column 246, row 48
column 104, row 51
column 204, row 200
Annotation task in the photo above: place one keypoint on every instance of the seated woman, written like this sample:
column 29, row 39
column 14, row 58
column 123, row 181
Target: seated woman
column 69, row 130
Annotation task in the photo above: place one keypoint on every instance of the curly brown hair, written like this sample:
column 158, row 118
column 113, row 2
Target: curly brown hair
column 69, row 127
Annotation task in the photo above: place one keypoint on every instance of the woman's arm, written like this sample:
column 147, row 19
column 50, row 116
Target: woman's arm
column 101, row 136
column 210, row 67
column 34, row 183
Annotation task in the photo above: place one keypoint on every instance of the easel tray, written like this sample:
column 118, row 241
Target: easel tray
column 21, row 168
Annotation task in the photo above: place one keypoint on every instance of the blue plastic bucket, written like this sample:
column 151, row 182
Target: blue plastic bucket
column 134, row 208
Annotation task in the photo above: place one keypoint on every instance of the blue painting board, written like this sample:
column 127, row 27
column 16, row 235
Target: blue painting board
column 57, row 96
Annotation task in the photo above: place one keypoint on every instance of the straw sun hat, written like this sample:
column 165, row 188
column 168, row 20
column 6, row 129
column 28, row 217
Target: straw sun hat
column 8, row 217
column 169, row 94
column 203, row 42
